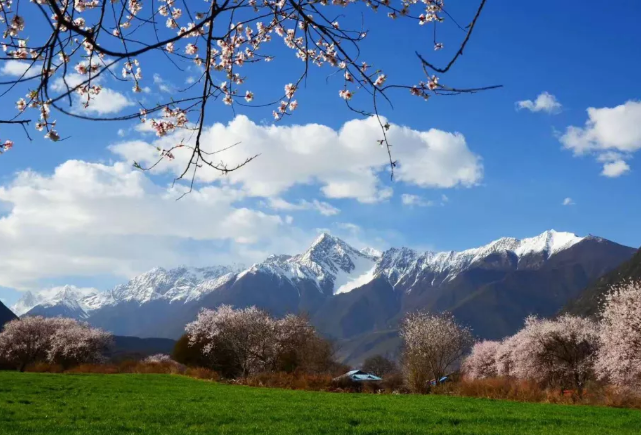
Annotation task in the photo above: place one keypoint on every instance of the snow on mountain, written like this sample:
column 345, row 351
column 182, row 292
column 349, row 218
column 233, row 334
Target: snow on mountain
column 404, row 264
column 371, row 252
column 68, row 295
column 334, row 266
column 329, row 262
column 174, row 285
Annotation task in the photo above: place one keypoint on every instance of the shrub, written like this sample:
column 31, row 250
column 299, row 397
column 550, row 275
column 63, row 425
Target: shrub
column 379, row 366
column 202, row 373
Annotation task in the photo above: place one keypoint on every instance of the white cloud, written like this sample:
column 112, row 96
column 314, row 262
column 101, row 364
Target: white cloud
column 345, row 163
column 323, row 208
column 163, row 86
column 17, row 68
column 89, row 219
column 545, row 102
column 568, row 201
column 415, row 200
column 612, row 133
column 615, row 169
column 107, row 101
column 349, row 227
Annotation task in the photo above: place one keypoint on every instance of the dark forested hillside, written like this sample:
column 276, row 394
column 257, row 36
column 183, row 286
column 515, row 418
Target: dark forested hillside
column 587, row 304
column 6, row 315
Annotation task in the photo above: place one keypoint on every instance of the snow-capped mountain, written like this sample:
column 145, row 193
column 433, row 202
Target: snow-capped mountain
column 182, row 284
column 69, row 296
column 405, row 266
column 349, row 292
column 330, row 263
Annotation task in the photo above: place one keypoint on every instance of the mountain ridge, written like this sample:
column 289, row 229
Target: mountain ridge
column 6, row 315
column 587, row 304
column 351, row 293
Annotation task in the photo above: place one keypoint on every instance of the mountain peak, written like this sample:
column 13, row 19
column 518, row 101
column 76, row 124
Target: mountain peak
column 550, row 242
column 325, row 238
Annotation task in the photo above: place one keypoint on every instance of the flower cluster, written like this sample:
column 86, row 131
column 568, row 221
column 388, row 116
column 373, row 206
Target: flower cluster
column 95, row 44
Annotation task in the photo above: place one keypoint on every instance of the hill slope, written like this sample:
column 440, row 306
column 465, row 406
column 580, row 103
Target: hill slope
column 6, row 315
column 587, row 303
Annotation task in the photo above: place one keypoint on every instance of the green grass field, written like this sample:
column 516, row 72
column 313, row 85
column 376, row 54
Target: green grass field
column 162, row 404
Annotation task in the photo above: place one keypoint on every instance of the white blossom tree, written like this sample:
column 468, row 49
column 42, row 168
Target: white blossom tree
column 67, row 50
column 246, row 336
column 56, row 340
column 505, row 356
column 23, row 342
column 481, row 363
column 433, row 344
column 619, row 357
column 254, row 342
column 557, row 352
column 76, row 342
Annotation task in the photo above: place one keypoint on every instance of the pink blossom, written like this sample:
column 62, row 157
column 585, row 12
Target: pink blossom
column 482, row 361
column 290, row 89
column 345, row 94
column 619, row 357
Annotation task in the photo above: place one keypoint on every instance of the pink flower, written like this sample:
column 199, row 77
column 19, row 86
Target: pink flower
column 7, row 145
column 249, row 96
column 191, row 49
column 380, row 80
column 81, row 68
column 293, row 105
column 345, row 94
column 432, row 83
column 290, row 89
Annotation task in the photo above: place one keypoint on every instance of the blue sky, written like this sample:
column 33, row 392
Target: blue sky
column 578, row 52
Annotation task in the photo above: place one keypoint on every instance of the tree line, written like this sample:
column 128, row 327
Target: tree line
column 240, row 343
column 569, row 351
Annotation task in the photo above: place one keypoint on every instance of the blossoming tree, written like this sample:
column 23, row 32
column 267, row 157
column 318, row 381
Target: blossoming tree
column 246, row 341
column 67, row 48
column 481, row 363
column 56, row 340
column 555, row 352
column 433, row 344
column 619, row 357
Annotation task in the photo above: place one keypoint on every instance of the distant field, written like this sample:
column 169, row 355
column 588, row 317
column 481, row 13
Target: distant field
column 162, row 404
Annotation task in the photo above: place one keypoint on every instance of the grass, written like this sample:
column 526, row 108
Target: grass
column 38, row 403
